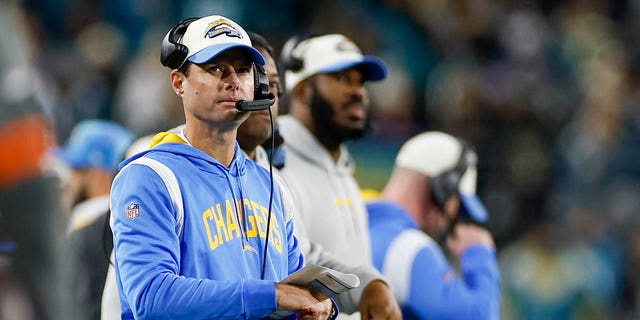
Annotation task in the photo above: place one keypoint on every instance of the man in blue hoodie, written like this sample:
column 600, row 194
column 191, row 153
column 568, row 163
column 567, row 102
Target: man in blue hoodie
column 190, row 214
column 431, row 196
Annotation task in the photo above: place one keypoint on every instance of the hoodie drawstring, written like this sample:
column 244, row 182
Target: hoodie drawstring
column 240, row 218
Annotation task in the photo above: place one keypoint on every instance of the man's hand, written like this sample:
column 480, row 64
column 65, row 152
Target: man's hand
column 301, row 301
column 377, row 302
column 322, row 312
column 465, row 235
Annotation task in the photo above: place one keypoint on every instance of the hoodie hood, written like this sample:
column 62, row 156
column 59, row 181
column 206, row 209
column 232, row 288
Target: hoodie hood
column 171, row 143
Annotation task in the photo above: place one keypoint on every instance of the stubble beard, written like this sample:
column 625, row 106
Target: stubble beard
column 326, row 128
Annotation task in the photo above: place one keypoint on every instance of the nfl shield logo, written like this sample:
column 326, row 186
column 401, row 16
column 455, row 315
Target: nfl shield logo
column 133, row 210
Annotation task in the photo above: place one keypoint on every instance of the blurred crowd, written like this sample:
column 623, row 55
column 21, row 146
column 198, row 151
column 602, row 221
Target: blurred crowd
column 547, row 91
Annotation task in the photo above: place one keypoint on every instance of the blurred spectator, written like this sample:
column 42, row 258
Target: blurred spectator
column 28, row 192
column 93, row 153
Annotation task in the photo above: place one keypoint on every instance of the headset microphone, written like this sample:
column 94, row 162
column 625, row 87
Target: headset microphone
column 255, row 105
column 263, row 98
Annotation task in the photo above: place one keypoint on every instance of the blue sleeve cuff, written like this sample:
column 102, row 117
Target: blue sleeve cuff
column 479, row 257
column 259, row 297
column 478, row 252
column 333, row 314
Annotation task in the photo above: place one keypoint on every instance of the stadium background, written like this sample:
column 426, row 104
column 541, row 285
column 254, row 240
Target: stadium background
column 547, row 91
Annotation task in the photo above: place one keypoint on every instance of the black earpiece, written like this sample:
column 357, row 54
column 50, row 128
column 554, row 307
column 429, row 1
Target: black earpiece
column 262, row 96
column 257, row 39
column 446, row 185
column 173, row 53
column 287, row 59
column 260, row 83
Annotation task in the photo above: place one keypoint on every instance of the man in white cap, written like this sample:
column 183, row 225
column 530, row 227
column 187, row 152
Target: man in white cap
column 373, row 297
column 328, row 105
column 190, row 215
column 431, row 195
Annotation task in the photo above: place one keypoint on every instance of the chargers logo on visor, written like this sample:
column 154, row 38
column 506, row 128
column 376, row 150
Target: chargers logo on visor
column 222, row 26
column 347, row 46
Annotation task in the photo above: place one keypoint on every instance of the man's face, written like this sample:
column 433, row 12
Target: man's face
column 257, row 128
column 211, row 90
column 339, row 104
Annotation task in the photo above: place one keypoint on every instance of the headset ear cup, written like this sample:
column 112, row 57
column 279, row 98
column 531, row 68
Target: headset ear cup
column 173, row 54
column 287, row 60
column 439, row 192
column 446, row 185
column 260, row 83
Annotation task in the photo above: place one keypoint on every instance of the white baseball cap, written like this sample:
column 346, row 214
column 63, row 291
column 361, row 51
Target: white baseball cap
column 331, row 53
column 208, row 37
column 434, row 153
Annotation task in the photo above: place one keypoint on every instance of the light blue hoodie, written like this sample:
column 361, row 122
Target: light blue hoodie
column 201, row 261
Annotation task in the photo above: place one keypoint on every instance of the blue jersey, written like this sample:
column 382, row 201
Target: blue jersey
column 189, row 236
column 424, row 283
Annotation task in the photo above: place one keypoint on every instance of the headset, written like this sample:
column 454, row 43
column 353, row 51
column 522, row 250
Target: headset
column 262, row 96
column 173, row 55
column 288, row 60
column 446, row 184
column 257, row 39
